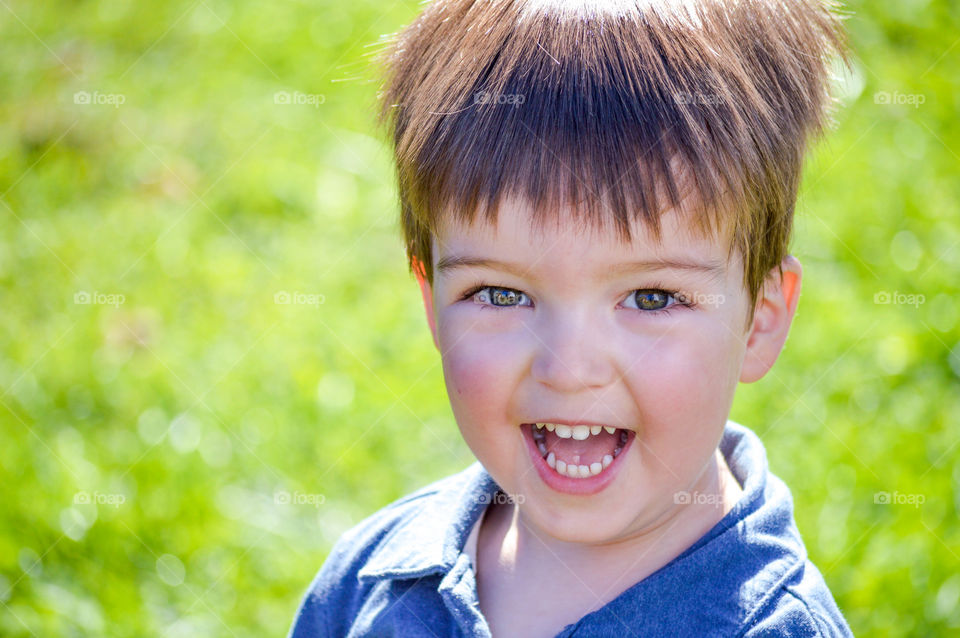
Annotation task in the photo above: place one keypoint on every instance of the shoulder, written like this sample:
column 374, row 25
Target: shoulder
column 339, row 587
column 801, row 606
column 782, row 593
column 336, row 586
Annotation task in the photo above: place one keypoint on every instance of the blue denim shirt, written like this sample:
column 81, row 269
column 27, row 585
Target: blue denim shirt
column 403, row 570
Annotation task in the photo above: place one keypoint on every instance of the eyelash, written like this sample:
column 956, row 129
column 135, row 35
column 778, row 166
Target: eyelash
column 654, row 286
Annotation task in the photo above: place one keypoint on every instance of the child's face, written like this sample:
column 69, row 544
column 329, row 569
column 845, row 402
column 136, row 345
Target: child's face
column 571, row 339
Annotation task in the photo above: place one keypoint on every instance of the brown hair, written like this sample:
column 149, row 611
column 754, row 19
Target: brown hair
column 613, row 109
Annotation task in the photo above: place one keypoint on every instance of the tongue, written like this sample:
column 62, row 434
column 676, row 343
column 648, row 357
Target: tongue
column 590, row 450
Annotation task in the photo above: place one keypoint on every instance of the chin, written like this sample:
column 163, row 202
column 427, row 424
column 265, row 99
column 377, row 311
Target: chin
column 574, row 527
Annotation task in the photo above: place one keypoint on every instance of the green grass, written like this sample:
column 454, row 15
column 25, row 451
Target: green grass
column 184, row 408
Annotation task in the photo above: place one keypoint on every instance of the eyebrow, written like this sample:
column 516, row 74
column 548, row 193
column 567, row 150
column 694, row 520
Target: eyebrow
column 712, row 268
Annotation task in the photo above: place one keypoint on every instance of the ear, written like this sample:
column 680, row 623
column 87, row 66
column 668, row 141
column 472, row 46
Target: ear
column 774, row 313
column 427, row 292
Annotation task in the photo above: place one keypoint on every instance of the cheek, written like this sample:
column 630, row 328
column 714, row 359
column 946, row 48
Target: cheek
column 479, row 370
column 687, row 386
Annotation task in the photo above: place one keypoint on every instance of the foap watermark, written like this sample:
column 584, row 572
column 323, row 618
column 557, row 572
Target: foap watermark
column 896, row 498
column 697, row 98
column 84, row 497
column 684, row 497
column 296, row 97
column 485, row 98
column 885, row 297
column 299, row 498
column 712, row 299
column 84, row 298
column 909, row 99
column 296, row 298
column 86, row 98
column 501, row 498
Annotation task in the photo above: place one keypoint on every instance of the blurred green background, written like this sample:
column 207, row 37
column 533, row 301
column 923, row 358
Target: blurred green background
column 213, row 360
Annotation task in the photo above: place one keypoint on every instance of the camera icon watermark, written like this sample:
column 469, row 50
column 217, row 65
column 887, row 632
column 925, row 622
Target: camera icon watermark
column 501, row 498
column 296, row 298
column 299, row 498
column 84, row 497
column 896, row 97
column 85, row 98
column 683, row 497
column 684, row 97
column 713, row 299
column 896, row 498
column 884, row 297
column 296, row 97
column 485, row 98
column 84, row 298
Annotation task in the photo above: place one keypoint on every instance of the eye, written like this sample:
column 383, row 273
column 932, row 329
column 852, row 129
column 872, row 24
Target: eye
column 650, row 301
column 656, row 300
column 496, row 296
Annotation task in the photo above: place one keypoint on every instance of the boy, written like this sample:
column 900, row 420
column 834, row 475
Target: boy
column 597, row 200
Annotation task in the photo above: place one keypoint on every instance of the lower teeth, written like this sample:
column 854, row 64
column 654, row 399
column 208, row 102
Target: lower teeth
column 577, row 471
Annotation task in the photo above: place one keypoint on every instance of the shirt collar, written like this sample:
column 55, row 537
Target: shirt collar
column 430, row 538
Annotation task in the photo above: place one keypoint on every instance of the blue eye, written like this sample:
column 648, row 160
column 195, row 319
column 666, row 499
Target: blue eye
column 496, row 296
column 654, row 300
column 651, row 299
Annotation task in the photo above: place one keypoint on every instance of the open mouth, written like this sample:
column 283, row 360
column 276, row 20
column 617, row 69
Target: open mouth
column 577, row 451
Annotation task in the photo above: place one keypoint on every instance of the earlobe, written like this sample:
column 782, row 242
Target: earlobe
column 776, row 307
column 427, row 292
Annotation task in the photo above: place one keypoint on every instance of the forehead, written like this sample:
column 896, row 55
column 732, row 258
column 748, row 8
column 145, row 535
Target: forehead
column 565, row 243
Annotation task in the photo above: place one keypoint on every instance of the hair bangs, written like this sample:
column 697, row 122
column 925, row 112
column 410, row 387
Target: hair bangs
column 615, row 111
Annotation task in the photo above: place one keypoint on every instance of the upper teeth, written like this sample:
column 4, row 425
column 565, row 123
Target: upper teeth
column 578, row 432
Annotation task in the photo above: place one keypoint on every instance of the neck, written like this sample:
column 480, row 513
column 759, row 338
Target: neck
column 614, row 566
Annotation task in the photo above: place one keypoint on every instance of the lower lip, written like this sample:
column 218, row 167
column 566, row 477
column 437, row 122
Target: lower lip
column 567, row 485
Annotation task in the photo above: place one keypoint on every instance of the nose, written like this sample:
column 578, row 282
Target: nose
column 572, row 353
